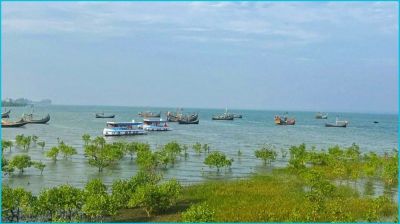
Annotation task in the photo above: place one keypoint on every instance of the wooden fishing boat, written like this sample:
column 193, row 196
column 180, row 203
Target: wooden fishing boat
column 337, row 124
column 10, row 124
column 149, row 114
column 6, row 114
column 283, row 120
column 185, row 121
column 29, row 119
column 320, row 115
column 102, row 115
column 224, row 117
column 237, row 115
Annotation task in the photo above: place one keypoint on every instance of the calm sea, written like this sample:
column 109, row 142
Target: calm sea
column 256, row 128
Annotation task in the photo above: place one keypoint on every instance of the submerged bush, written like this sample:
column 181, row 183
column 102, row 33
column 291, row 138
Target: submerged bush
column 267, row 154
column 217, row 159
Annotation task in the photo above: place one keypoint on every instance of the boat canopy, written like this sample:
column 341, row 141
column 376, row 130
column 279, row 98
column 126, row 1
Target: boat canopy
column 154, row 120
column 123, row 123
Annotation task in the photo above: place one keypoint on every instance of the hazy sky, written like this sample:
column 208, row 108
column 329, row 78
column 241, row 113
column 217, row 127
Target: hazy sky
column 340, row 56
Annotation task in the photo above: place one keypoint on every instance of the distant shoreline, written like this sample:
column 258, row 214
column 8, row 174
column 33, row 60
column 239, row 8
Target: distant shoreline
column 229, row 109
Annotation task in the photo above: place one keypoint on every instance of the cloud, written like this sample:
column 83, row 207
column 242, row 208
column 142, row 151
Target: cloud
column 274, row 22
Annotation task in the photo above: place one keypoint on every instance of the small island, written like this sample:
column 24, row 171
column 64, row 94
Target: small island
column 22, row 102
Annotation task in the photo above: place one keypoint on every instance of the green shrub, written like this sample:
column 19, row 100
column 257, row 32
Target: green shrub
column 199, row 213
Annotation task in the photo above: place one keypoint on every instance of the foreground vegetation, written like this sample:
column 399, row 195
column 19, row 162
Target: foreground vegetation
column 316, row 186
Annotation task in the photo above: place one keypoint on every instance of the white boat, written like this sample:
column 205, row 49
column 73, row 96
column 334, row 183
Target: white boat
column 123, row 128
column 155, row 124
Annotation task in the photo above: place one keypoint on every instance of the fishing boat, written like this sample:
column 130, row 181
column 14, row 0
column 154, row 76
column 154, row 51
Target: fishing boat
column 11, row 124
column 225, row 116
column 283, row 120
column 237, row 115
column 30, row 120
column 123, row 128
column 337, row 124
column 149, row 114
column 187, row 121
column 155, row 124
column 102, row 115
column 6, row 114
column 320, row 115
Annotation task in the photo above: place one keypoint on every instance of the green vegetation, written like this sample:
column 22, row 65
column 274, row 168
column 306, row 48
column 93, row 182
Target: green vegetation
column 34, row 139
column 23, row 142
column 155, row 198
column 101, row 155
column 86, row 139
column 66, row 150
column 21, row 162
column 218, row 159
column 53, row 153
column 197, row 148
column 42, row 144
column 199, row 213
column 267, row 154
column 314, row 187
column 40, row 166
column 6, row 144
column 146, row 159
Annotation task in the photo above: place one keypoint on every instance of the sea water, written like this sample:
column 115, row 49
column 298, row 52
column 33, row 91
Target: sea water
column 256, row 128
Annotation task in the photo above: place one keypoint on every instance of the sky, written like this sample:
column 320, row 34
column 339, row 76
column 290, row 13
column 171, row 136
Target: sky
column 312, row 56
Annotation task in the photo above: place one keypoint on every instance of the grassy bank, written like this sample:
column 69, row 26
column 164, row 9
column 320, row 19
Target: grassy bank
column 276, row 197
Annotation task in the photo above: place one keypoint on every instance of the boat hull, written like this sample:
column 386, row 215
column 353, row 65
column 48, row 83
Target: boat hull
column 6, row 114
column 13, row 124
column 41, row 121
column 102, row 116
column 156, row 128
column 109, row 132
column 188, row 122
column 336, row 125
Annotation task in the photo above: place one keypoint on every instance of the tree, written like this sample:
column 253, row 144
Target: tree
column 169, row 153
column 60, row 203
column 123, row 189
column 42, row 144
column 40, row 166
column 14, row 201
column 217, row 159
column 185, row 148
column 131, row 148
column 6, row 167
column 197, row 147
column 267, row 154
column 154, row 198
column 146, row 159
column 21, row 162
column 34, row 138
column 199, row 213
column 97, row 202
column 23, row 142
column 298, row 156
column 67, row 150
column 206, row 148
column 6, row 144
column 99, row 141
column 86, row 139
column 53, row 153
column 103, row 155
